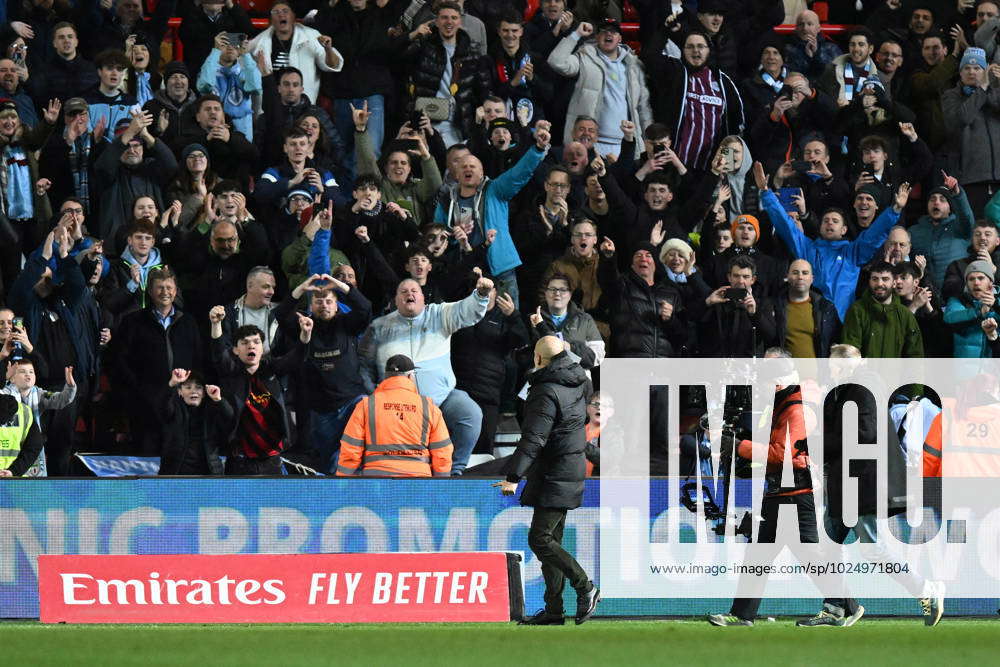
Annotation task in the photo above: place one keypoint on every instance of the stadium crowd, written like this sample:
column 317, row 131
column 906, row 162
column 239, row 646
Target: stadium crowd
column 218, row 253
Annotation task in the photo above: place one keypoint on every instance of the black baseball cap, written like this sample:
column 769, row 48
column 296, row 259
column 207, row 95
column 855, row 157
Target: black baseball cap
column 609, row 25
column 399, row 363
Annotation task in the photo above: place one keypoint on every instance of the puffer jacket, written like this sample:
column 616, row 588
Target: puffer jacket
column 587, row 65
column 429, row 57
column 636, row 327
column 478, row 354
column 946, row 241
column 973, row 126
column 551, row 452
column 884, row 331
column 964, row 317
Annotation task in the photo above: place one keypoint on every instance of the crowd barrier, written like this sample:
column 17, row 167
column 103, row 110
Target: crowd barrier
column 314, row 515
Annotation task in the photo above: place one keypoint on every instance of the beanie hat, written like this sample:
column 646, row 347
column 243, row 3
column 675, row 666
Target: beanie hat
column 744, row 219
column 874, row 190
column 675, row 244
column 503, row 122
column 973, row 55
column 980, row 266
column 940, row 190
column 645, row 245
column 175, row 67
column 191, row 148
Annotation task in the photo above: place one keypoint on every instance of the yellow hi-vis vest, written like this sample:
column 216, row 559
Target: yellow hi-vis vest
column 13, row 435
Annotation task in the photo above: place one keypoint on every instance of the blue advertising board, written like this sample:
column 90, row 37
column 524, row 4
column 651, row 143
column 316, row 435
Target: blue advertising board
column 305, row 515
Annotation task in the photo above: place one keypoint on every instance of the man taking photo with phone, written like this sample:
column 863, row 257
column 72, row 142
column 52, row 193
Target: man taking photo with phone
column 737, row 323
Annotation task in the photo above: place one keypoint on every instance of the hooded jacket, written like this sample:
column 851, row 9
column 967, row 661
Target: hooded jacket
column 215, row 422
column 836, row 264
column 478, row 354
column 128, row 296
column 884, row 331
column 492, row 200
column 305, row 53
column 946, row 241
column 551, row 452
column 587, row 64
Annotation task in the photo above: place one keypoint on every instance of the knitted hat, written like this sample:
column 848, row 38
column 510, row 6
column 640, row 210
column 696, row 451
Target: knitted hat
column 645, row 245
column 122, row 125
column 675, row 244
column 874, row 190
column 503, row 122
column 74, row 105
column 941, row 190
column 191, row 148
column 609, row 25
column 980, row 266
column 713, row 7
column 301, row 192
column 973, row 55
column 744, row 219
column 175, row 67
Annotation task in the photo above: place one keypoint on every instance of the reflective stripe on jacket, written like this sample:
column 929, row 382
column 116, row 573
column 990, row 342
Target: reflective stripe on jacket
column 395, row 432
column 12, row 435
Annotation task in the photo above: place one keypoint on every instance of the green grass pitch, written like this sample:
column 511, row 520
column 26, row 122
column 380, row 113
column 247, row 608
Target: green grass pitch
column 598, row 642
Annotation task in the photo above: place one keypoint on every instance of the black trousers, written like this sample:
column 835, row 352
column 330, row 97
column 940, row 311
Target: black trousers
column 545, row 539
column 60, row 429
column 746, row 607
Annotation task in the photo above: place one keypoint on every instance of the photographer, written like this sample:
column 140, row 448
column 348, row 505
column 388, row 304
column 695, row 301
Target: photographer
column 737, row 323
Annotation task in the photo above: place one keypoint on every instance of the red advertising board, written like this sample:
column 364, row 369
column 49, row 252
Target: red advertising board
column 266, row 588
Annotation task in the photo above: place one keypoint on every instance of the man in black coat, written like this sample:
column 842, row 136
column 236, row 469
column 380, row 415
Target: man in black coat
column 551, row 454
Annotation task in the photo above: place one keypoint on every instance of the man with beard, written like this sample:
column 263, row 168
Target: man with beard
column 941, row 234
column 125, row 171
column 879, row 324
column 428, row 329
column 693, row 96
column 737, row 323
column 888, row 61
column 983, row 247
column 579, row 264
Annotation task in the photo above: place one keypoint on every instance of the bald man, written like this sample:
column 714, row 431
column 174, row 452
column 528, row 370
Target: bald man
column 807, row 50
column 807, row 322
column 551, row 454
column 478, row 205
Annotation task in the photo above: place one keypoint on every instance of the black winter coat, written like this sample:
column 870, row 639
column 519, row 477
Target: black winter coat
column 551, row 453
column 64, row 79
column 362, row 39
column 145, row 353
column 429, row 57
column 636, row 327
column 826, row 321
column 729, row 330
column 216, row 424
column 198, row 32
column 478, row 354
column 577, row 329
column 181, row 116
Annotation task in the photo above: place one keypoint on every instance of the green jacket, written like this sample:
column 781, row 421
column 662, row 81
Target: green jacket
column 416, row 195
column 882, row 331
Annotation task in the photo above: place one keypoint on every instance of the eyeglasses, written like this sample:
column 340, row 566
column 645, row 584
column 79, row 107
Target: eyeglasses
column 557, row 290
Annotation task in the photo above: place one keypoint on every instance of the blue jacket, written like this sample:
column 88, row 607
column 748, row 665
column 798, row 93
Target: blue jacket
column 836, row 264
column 233, row 85
column 963, row 316
column 946, row 241
column 492, row 199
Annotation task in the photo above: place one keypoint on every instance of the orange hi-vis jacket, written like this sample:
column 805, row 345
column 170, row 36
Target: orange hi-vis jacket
column 395, row 432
